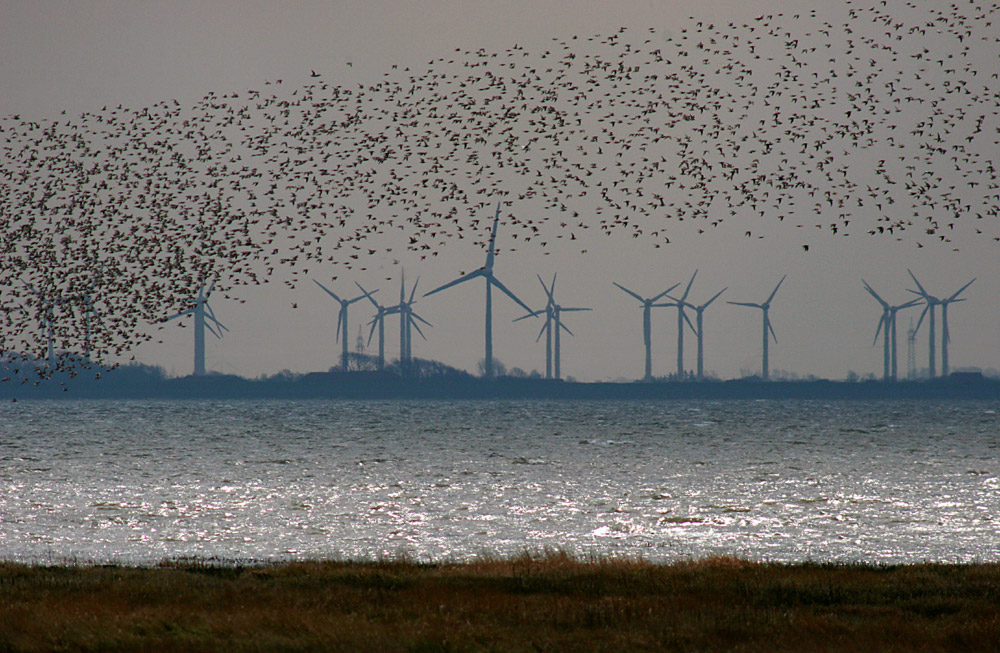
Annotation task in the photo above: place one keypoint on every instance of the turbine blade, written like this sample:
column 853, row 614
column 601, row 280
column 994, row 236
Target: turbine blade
column 371, row 333
column 881, row 321
column 326, row 290
column 340, row 318
column 564, row 327
column 959, row 291
column 771, row 328
column 687, row 319
column 417, row 317
column 714, row 297
column 574, row 309
column 746, row 304
column 635, row 295
column 368, row 294
column 664, row 292
column 921, row 319
column 874, row 294
column 416, row 326
column 548, row 291
column 688, row 289
column 463, row 278
column 176, row 315
column 414, row 291
column 213, row 331
column 775, row 291
column 507, row 292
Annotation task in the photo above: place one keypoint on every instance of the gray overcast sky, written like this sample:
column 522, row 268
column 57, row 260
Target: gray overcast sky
column 81, row 56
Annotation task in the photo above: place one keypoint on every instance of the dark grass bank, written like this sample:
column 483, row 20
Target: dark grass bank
column 533, row 602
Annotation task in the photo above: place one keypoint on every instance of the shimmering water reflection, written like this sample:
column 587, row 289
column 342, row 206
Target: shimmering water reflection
column 786, row 481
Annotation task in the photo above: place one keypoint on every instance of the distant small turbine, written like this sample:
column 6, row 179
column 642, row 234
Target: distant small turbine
column 647, row 305
column 407, row 320
column 202, row 313
column 682, row 318
column 341, row 322
column 932, row 301
column 699, row 320
column 553, row 320
column 887, row 326
column 48, row 310
column 766, row 321
column 487, row 273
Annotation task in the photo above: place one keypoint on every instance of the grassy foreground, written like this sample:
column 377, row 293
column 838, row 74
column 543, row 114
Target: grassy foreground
column 532, row 602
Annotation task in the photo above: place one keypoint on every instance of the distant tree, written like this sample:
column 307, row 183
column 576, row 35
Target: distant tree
column 499, row 369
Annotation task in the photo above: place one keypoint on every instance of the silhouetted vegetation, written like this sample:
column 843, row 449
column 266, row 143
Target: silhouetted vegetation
column 530, row 602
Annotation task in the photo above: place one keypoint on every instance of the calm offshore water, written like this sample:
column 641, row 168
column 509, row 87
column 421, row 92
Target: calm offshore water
column 138, row 482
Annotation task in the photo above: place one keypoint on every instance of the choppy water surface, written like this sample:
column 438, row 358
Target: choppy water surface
column 142, row 481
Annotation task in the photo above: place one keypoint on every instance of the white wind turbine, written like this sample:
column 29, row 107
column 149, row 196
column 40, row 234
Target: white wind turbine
column 932, row 301
column 766, row 320
column 887, row 327
column 486, row 272
column 341, row 322
column 553, row 320
column 647, row 305
column 407, row 320
column 682, row 318
column 699, row 320
column 202, row 313
column 48, row 311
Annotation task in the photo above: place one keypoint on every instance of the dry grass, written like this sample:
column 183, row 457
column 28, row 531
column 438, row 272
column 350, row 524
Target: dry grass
column 549, row 601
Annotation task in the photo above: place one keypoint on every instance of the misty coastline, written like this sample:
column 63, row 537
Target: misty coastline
column 147, row 382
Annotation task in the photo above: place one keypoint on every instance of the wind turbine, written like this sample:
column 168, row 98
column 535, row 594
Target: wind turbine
column 407, row 320
column 48, row 313
column 487, row 273
column 681, row 319
column 647, row 305
column 887, row 325
column 946, row 335
column 202, row 312
column 378, row 321
column 932, row 301
column 699, row 320
column 765, row 307
column 553, row 319
column 341, row 321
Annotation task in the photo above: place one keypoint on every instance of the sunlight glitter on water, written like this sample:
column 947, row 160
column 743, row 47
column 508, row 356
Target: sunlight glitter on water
column 274, row 480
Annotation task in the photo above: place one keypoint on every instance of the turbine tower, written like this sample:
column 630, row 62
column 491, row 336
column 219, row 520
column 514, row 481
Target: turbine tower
column 487, row 273
column 647, row 305
column 699, row 320
column 553, row 320
column 765, row 307
column 887, row 327
column 341, row 322
column 379, row 322
column 203, row 313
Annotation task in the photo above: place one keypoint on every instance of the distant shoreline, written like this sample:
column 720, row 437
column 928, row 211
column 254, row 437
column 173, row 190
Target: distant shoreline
column 148, row 383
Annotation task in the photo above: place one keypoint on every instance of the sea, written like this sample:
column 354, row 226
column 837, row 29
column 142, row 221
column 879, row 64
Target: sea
column 142, row 482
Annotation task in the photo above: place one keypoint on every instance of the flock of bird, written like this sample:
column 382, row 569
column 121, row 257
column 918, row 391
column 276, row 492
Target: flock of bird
column 883, row 121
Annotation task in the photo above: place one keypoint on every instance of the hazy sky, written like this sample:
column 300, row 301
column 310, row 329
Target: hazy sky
column 79, row 57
